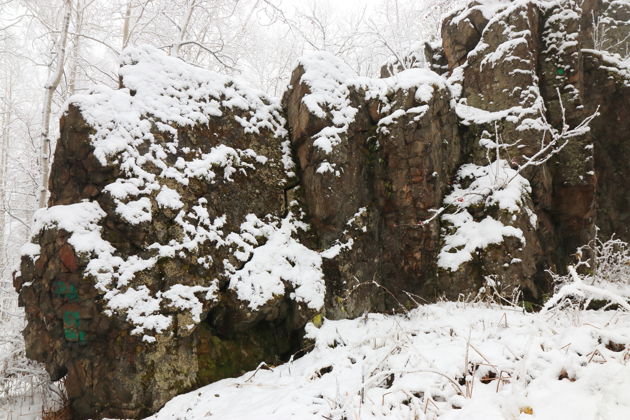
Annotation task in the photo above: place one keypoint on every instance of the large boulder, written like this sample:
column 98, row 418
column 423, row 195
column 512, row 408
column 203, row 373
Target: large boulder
column 524, row 79
column 606, row 67
column 168, row 256
column 609, row 88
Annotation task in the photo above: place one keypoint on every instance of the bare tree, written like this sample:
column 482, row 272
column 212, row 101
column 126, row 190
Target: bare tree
column 183, row 27
column 606, row 31
column 5, row 110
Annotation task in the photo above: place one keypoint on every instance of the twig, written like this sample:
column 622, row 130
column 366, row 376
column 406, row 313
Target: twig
column 260, row 365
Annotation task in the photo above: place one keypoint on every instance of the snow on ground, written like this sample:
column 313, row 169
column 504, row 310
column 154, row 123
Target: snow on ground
column 25, row 388
column 447, row 361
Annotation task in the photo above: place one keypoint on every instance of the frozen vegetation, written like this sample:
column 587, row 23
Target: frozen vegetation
column 450, row 360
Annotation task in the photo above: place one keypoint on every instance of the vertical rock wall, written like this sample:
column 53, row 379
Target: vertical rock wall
column 374, row 158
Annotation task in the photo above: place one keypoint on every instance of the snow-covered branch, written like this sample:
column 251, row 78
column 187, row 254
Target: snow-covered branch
column 607, row 276
column 504, row 170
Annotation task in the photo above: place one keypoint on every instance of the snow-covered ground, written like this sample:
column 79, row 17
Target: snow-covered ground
column 25, row 389
column 447, row 361
column 441, row 361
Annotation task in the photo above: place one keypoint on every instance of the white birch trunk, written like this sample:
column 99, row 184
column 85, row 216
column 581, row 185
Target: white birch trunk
column 125, row 28
column 4, row 151
column 51, row 86
column 76, row 49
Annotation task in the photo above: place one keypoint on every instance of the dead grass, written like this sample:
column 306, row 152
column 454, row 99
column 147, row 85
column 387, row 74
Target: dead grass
column 63, row 413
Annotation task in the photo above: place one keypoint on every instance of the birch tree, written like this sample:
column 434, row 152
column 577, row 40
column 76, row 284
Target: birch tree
column 56, row 68
column 183, row 27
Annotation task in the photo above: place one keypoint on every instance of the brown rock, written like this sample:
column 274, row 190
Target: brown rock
column 68, row 259
column 374, row 172
column 115, row 365
column 461, row 31
column 365, row 195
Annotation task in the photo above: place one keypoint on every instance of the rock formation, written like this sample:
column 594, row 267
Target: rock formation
column 167, row 237
column 195, row 225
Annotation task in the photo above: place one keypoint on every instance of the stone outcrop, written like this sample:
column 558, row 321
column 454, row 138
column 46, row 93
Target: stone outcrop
column 606, row 85
column 374, row 157
column 195, row 225
column 529, row 63
column 163, row 211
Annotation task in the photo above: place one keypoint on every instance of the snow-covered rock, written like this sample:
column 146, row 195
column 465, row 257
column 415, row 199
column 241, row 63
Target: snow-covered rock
column 196, row 225
column 167, row 204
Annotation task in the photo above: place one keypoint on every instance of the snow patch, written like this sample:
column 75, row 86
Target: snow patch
column 169, row 198
column 470, row 236
column 279, row 260
column 495, row 184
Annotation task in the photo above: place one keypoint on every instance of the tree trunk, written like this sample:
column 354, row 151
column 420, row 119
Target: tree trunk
column 76, row 49
column 125, row 29
column 183, row 28
column 51, row 86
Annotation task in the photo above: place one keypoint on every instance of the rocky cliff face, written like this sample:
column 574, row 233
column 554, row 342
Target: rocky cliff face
column 374, row 157
column 195, row 226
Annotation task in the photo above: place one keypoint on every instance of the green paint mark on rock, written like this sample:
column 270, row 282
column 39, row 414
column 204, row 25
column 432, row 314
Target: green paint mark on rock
column 69, row 291
column 71, row 325
column 59, row 288
column 560, row 72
